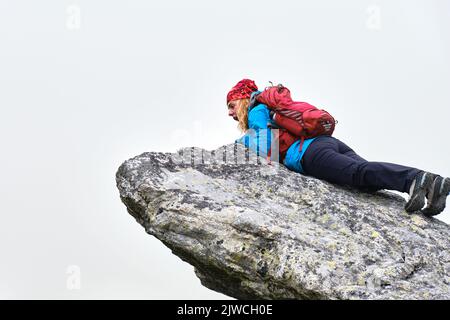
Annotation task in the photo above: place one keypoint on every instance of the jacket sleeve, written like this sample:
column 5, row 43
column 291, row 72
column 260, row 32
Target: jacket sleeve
column 258, row 136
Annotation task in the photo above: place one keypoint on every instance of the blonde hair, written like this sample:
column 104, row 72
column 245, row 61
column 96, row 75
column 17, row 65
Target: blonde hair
column 242, row 113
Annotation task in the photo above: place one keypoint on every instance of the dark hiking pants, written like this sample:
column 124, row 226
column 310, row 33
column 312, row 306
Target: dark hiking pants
column 330, row 159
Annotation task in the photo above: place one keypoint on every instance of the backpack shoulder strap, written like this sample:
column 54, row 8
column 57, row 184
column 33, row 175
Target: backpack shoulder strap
column 253, row 101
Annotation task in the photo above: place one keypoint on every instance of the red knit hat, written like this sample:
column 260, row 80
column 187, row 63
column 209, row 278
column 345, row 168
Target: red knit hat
column 243, row 89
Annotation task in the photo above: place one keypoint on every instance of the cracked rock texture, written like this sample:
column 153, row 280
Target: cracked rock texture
column 259, row 231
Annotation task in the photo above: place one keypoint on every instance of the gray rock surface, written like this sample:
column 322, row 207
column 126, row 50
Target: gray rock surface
column 259, row 231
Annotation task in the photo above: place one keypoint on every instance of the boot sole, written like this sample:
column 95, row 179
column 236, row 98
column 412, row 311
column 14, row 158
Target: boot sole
column 417, row 201
column 438, row 205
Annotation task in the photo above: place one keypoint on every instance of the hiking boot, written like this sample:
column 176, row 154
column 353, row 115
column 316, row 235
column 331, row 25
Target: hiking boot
column 417, row 192
column 437, row 196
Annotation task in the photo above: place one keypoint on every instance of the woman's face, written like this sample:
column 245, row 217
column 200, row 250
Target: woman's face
column 232, row 109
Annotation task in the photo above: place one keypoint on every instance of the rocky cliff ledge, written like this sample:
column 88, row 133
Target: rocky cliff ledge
column 259, row 231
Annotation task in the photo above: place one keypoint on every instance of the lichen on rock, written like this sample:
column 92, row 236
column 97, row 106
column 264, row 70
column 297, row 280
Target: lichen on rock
column 259, row 231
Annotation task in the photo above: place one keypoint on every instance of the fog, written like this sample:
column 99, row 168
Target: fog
column 85, row 85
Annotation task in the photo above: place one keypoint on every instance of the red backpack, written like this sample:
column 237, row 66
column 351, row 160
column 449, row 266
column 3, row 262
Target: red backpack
column 300, row 119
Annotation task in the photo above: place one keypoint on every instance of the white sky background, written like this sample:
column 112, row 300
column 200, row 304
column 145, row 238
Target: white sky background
column 80, row 94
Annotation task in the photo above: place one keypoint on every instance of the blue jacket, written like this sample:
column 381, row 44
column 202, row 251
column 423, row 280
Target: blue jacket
column 258, row 118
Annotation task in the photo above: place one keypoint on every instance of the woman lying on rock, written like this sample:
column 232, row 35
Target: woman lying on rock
column 326, row 157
